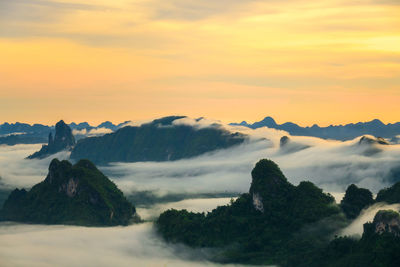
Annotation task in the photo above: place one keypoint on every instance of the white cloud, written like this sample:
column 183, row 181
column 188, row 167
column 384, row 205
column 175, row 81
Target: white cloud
column 14, row 133
column 92, row 132
column 333, row 165
column 193, row 205
column 16, row 171
column 367, row 215
column 135, row 245
column 330, row 164
column 197, row 123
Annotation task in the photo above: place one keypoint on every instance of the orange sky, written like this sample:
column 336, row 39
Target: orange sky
column 325, row 62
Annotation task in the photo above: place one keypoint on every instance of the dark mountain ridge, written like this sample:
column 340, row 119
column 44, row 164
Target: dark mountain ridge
column 277, row 223
column 23, row 133
column 337, row 132
column 159, row 140
column 71, row 194
column 63, row 140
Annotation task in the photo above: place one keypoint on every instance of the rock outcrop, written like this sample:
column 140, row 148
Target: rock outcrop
column 63, row 140
column 71, row 194
column 371, row 140
column 261, row 225
column 387, row 221
column 287, row 145
column 371, row 145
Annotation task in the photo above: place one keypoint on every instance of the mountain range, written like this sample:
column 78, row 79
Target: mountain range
column 277, row 223
column 23, row 133
column 337, row 132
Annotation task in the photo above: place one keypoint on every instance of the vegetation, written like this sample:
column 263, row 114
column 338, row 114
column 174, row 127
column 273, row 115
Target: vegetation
column 160, row 140
column 389, row 195
column 277, row 233
column 71, row 194
column 355, row 200
column 279, row 223
column 375, row 248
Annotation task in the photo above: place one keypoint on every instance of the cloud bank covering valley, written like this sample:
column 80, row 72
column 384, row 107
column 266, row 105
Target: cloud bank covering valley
column 332, row 165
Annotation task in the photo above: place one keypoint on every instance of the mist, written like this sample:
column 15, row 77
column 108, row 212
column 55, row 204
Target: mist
column 134, row 245
column 16, row 171
column 332, row 165
column 366, row 215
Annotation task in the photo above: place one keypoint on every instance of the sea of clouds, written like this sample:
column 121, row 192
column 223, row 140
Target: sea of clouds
column 332, row 165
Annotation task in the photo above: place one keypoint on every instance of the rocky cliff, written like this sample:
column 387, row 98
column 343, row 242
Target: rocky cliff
column 71, row 194
column 63, row 140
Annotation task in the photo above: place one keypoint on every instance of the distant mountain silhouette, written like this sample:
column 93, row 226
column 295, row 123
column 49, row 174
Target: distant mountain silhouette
column 63, row 140
column 338, row 132
column 23, row 133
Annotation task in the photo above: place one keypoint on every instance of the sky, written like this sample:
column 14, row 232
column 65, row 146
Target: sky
column 325, row 62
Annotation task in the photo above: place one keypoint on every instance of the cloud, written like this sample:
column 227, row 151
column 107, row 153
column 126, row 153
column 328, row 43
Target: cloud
column 40, row 10
column 194, row 205
column 92, row 132
column 196, row 10
column 367, row 215
column 16, row 171
column 198, row 123
column 14, row 133
column 135, row 123
column 332, row 165
column 135, row 245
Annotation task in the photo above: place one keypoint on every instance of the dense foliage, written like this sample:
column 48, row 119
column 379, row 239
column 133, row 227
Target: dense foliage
column 355, row 200
column 71, row 194
column 160, row 140
column 375, row 248
column 279, row 223
column 389, row 195
column 276, row 234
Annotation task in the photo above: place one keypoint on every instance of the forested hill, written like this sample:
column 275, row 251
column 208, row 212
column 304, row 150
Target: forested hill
column 160, row 140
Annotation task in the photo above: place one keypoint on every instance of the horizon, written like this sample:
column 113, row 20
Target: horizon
column 97, row 123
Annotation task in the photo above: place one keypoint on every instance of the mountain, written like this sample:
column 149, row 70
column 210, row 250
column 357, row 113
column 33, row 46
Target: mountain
column 160, row 140
column 23, row 133
column 264, row 226
column 277, row 223
column 71, row 194
column 378, row 246
column 63, row 140
column 389, row 195
column 355, row 200
column 337, row 132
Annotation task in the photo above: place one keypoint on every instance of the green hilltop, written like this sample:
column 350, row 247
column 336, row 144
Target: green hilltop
column 71, row 194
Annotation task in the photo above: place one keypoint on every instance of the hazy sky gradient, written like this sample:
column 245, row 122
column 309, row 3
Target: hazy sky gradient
column 309, row 62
